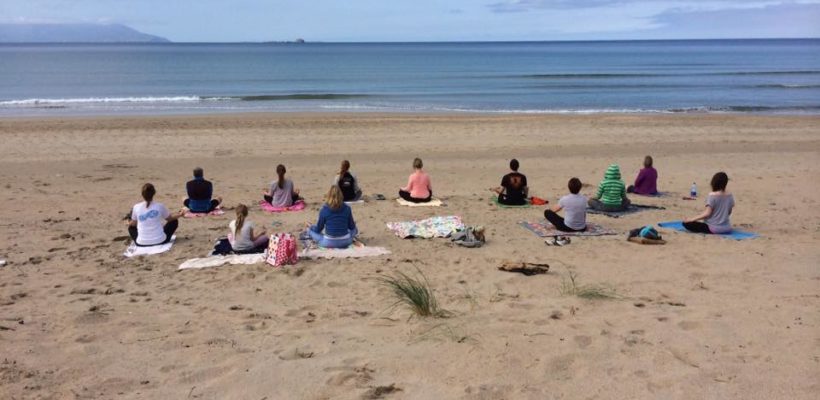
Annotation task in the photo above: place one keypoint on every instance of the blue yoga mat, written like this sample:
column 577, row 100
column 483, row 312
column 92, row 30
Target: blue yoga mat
column 734, row 234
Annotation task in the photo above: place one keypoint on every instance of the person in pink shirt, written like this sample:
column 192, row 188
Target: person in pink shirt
column 418, row 189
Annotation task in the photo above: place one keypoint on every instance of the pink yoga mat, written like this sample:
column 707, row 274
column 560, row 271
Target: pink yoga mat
column 265, row 206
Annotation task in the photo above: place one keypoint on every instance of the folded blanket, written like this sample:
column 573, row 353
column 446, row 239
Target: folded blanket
column 495, row 201
column 631, row 210
column 734, row 234
column 215, row 261
column 133, row 250
column 354, row 251
column 218, row 211
column 351, row 202
column 427, row 228
column 265, row 206
column 431, row 203
column 543, row 228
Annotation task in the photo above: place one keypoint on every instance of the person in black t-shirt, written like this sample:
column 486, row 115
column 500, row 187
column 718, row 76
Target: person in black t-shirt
column 513, row 190
column 348, row 183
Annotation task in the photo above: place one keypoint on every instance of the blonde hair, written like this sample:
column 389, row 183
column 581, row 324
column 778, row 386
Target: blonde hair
column 334, row 198
column 241, row 213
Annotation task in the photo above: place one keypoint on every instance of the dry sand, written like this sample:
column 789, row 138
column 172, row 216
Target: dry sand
column 701, row 317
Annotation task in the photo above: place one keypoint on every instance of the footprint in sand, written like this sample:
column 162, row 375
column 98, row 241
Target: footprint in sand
column 583, row 341
column 688, row 325
column 358, row 376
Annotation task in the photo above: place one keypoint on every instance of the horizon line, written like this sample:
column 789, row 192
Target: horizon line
column 295, row 42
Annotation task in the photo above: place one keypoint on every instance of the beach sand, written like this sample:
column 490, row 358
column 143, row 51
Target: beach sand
column 699, row 318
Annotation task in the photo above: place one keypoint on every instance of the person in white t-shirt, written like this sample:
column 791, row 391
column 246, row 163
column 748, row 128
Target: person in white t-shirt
column 575, row 210
column 244, row 238
column 151, row 223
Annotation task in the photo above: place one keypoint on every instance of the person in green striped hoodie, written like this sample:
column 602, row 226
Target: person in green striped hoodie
column 611, row 194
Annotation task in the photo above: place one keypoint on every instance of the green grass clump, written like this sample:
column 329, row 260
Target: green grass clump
column 571, row 287
column 414, row 292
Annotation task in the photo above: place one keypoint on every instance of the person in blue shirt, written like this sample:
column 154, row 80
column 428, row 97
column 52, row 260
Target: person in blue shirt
column 200, row 194
column 335, row 227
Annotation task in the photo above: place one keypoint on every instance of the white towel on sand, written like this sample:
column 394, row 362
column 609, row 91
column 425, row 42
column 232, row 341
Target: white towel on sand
column 133, row 250
column 350, row 252
column 215, row 261
column 431, row 203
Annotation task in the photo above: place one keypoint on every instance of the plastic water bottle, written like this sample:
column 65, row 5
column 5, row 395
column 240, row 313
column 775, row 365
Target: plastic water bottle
column 693, row 191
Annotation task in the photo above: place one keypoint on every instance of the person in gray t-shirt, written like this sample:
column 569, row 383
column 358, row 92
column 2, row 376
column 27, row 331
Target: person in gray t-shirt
column 282, row 192
column 575, row 210
column 719, row 207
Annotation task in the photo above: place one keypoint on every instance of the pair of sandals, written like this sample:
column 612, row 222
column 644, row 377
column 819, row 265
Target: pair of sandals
column 558, row 241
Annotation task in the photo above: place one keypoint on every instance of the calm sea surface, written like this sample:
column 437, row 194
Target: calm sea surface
column 739, row 76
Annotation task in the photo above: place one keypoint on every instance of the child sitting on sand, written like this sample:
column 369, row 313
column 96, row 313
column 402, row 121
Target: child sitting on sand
column 513, row 190
column 719, row 207
column 575, row 210
column 243, row 238
column 281, row 192
column 146, row 223
column 611, row 194
column 335, row 227
column 647, row 181
column 418, row 189
column 348, row 183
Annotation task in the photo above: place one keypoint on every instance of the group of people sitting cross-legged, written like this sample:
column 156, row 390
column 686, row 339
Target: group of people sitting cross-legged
column 151, row 223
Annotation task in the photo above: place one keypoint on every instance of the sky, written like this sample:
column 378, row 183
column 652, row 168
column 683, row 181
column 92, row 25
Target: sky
column 432, row 20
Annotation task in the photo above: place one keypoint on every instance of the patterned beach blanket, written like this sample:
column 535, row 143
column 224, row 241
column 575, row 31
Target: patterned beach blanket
column 265, row 206
column 543, row 228
column 356, row 250
column 427, row 228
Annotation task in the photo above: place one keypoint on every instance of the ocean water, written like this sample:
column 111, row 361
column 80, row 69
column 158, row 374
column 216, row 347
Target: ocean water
column 686, row 76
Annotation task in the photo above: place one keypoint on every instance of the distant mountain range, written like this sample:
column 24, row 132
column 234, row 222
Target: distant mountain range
column 74, row 33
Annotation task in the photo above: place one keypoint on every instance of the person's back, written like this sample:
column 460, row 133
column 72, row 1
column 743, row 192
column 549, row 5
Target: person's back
column 281, row 196
column 347, row 184
column 150, row 220
column 611, row 190
column 647, row 181
column 722, row 204
column 419, row 185
column 242, row 240
column 575, row 210
column 514, row 184
column 336, row 223
column 200, row 192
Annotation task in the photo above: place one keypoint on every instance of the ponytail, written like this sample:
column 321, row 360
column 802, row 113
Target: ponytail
column 280, row 170
column 148, row 192
column 241, row 213
column 345, row 168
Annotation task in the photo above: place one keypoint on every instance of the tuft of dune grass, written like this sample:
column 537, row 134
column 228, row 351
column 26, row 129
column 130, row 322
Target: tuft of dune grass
column 414, row 292
column 571, row 287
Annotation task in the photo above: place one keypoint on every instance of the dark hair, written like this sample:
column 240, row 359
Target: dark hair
column 514, row 164
column 280, row 170
column 344, row 169
column 574, row 185
column 198, row 172
column 647, row 162
column 148, row 192
column 417, row 164
column 719, row 182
